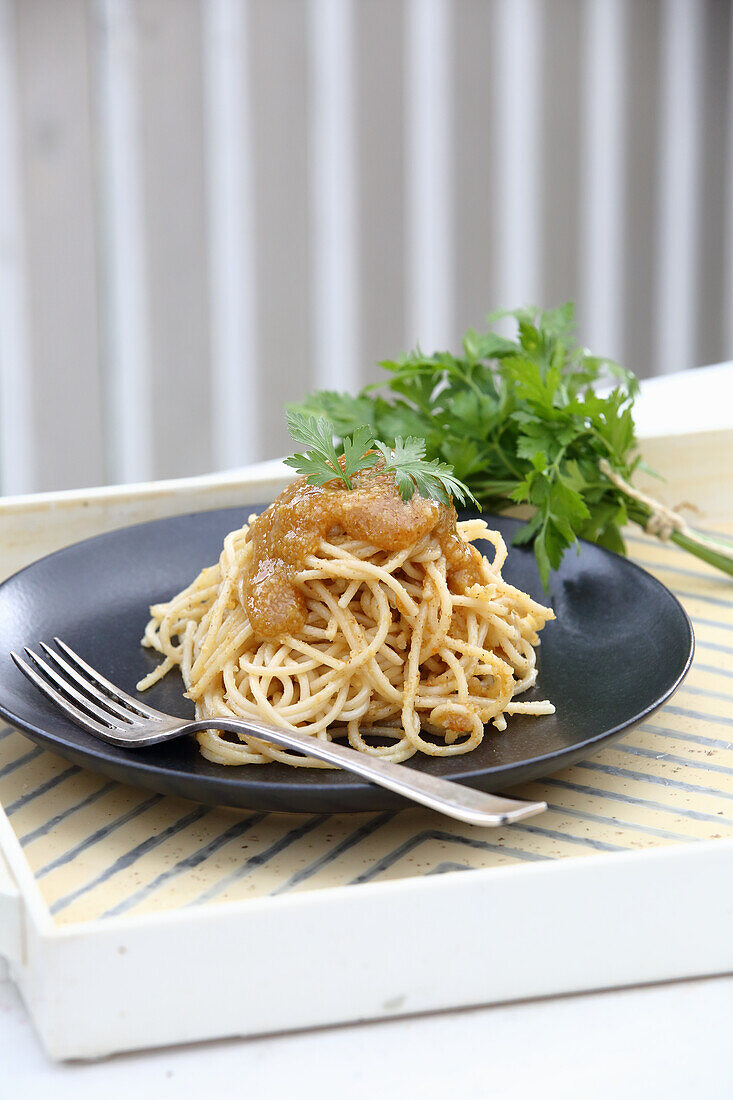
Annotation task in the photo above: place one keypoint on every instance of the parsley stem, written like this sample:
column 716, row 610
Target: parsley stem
column 717, row 554
column 509, row 465
column 699, row 546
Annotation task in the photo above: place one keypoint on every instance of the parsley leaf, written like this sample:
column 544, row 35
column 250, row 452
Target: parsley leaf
column 358, row 451
column 322, row 463
column 433, row 480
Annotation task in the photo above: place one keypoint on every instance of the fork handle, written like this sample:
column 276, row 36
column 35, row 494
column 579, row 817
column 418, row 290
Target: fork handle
column 443, row 795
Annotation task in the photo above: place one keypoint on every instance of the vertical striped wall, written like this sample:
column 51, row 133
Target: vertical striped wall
column 208, row 207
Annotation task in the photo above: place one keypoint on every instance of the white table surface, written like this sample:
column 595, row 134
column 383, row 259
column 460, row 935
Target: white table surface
column 661, row 1041
column 670, row 1040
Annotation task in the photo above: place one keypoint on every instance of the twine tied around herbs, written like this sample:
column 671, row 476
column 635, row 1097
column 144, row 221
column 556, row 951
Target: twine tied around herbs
column 663, row 521
column 666, row 524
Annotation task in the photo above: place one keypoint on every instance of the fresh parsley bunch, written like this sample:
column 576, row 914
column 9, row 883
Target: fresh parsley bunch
column 360, row 451
column 520, row 422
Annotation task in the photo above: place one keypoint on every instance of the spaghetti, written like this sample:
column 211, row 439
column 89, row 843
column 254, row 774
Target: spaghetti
column 353, row 614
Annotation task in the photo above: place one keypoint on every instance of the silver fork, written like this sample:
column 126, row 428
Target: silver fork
column 109, row 713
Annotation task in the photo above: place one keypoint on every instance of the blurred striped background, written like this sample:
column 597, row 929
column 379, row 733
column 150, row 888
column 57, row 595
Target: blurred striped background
column 208, row 207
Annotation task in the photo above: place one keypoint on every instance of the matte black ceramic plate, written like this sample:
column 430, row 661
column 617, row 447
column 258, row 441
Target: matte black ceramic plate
column 619, row 647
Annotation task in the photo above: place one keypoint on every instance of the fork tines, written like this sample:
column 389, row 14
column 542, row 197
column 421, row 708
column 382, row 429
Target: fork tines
column 82, row 692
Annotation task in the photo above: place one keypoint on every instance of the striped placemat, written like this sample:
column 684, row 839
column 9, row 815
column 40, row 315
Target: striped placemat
column 99, row 848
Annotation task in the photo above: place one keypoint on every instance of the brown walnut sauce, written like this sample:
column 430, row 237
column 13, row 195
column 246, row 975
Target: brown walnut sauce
column 304, row 515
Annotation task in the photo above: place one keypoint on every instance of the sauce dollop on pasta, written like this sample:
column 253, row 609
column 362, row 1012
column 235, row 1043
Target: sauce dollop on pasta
column 305, row 515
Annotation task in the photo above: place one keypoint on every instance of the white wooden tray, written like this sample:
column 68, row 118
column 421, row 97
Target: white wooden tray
column 131, row 922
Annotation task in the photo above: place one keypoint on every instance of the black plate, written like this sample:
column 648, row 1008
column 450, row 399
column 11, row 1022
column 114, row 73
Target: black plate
column 619, row 648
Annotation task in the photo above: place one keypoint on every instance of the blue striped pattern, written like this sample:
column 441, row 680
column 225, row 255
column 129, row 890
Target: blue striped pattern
column 101, row 850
